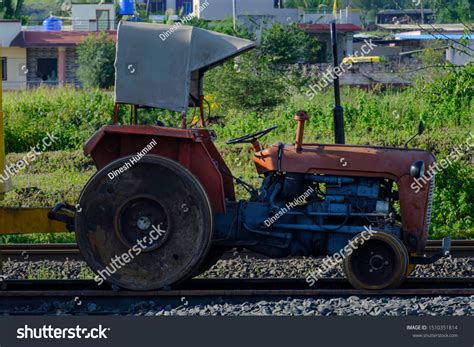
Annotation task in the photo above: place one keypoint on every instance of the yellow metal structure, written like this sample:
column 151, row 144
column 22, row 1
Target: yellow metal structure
column 28, row 221
column 356, row 60
column 20, row 220
column 5, row 186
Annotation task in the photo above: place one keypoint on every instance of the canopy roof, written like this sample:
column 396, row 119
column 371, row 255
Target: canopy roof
column 161, row 65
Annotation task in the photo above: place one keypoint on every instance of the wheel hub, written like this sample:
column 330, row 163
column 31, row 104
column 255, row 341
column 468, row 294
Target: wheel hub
column 136, row 220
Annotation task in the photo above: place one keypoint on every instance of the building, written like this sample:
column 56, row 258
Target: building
column 93, row 17
column 457, row 52
column 31, row 57
column 51, row 55
column 245, row 10
column 405, row 16
column 13, row 58
column 322, row 34
column 250, row 12
column 154, row 7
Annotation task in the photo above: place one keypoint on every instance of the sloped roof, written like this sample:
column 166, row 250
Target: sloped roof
column 325, row 28
column 434, row 36
column 55, row 38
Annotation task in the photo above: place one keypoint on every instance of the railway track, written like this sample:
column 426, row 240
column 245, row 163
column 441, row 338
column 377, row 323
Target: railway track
column 83, row 296
column 61, row 252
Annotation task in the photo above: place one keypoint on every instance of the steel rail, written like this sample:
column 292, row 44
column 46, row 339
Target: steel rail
column 25, row 297
column 63, row 251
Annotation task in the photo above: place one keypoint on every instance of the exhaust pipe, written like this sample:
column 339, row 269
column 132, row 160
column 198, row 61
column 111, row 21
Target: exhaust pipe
column 338, row 111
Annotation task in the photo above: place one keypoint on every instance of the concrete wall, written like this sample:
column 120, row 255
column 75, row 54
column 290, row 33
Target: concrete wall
column 222, row 9
column 344, row 16
column 84, row 16
column 8, row 31
column 457, row 54
column 171, row 6
column 16, row 67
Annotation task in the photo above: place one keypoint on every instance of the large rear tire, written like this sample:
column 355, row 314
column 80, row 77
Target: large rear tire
column 153, row 219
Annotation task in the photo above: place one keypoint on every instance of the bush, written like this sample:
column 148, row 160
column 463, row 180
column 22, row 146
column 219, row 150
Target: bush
column 72, row 115
column 288, row 44
column 247, row 83
column 450, row 98
column 96, row 57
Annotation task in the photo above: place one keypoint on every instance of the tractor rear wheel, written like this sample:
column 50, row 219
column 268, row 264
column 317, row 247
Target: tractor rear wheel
column 379, row 262
column 149, row 227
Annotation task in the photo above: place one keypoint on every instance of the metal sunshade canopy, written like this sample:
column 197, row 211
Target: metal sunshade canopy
column 161, row 65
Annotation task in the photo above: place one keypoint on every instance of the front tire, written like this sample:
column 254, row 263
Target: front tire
column 378, row 263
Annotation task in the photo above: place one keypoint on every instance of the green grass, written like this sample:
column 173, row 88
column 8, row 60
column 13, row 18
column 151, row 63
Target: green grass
column 372, row 118
column 54, row 177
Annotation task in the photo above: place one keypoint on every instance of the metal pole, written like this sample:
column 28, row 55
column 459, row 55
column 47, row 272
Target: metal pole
column 234, row 13
column 5, row 185
column 338, row 110
column 422, row 13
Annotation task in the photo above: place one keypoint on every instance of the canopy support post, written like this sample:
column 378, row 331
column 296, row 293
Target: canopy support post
column 115, row 117
column 201, row 110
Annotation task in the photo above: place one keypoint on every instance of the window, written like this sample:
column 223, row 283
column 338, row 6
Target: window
column 47, row 69
column 157, row 6
column 103, row 19
column 187, row 8
column 4, row 69
column 278, row 3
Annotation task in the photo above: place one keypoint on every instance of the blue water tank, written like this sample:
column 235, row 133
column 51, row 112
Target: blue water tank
column 126, row 7
column 51, row 24
column 135, row 19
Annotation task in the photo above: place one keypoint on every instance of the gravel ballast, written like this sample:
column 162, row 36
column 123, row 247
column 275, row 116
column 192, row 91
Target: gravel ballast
column 286, row 268
column 234, row 268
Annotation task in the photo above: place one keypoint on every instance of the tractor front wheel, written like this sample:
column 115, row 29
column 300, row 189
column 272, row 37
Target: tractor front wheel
column 379, row 262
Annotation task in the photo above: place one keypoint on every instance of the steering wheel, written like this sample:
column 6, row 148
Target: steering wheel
column 251, row 137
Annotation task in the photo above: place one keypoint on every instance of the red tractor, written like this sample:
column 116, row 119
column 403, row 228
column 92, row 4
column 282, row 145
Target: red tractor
column 162, row 207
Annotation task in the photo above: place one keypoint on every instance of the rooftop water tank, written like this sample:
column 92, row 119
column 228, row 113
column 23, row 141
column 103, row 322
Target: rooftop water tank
column 126, row 7
column 52, row 24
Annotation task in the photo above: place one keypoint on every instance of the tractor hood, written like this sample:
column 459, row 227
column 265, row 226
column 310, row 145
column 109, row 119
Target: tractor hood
column 162, row 65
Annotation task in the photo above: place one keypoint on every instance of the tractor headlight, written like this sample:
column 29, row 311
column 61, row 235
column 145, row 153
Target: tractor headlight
column 417, row 169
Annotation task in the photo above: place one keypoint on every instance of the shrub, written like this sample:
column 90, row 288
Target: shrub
column 288, row 44
column 96, row 57
column 247, row 83
column 73, row 115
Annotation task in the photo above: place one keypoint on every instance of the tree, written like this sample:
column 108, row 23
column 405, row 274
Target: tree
column 96, row 61
column 288, row 44
column 246, row 83
column 11, row 11
column 306, row 3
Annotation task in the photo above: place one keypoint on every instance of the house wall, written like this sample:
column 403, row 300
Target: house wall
column 222, row 9
column 51, row 52
column 344, row 16
column 325, row 39
column 32, row 63
column 71, row 66
column 16, row 67
column 457, row 54
column 171, row 5
column 8, row 31
column 84, row 16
